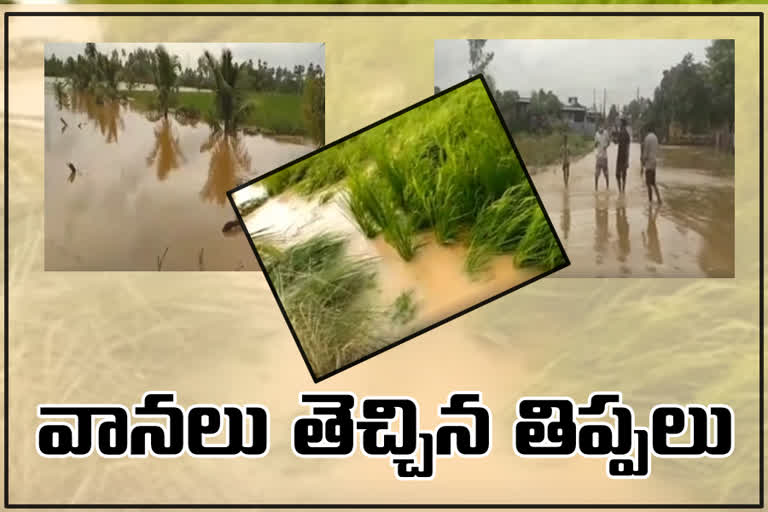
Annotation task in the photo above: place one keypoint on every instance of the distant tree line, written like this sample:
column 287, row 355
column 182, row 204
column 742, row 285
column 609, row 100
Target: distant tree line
column 542, row 114
column 694, row 97
column 98, row 74
column 136, row 67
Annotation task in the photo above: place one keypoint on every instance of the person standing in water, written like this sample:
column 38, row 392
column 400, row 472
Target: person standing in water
column 622, row 156
column 648, row 154
column 566, row 156
column 602, row 141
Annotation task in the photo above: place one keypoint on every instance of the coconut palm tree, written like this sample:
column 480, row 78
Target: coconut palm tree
column 165, row 69
column 109, row 69
column 230, row 106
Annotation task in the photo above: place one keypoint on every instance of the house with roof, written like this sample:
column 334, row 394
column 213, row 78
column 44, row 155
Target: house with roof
column 578, row 117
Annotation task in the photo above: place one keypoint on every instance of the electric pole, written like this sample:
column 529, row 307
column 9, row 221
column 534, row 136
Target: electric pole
column 604, row 103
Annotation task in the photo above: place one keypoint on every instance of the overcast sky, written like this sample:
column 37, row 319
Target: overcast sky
column 276, row 54
column 571, row 67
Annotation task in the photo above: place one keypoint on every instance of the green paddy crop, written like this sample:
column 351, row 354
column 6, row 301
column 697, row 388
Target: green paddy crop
column 446, row 168
column 328, row 298
column 332, row 298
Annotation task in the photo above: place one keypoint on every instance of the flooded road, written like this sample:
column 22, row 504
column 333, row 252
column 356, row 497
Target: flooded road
column 145, row 194
column 435, row 278
column 691, row 234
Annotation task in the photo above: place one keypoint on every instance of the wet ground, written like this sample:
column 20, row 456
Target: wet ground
column 691, row 234
column 435, row 277
column 146, row 194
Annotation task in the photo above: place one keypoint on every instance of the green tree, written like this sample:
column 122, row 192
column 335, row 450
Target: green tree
column 229, row 104
column 507, row 102
column 543, row 111
column 720, row 60
column 637, row 113
column 91, row 52
column 109, row 68
column 479, row 59
column 165, row 68
column 314, row 104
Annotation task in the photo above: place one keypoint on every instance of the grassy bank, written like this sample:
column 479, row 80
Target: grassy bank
column 540, row 151
column 273, row 113
column 445, row 167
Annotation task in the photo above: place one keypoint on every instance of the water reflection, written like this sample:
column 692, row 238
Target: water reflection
column 166, row 153
column 186, row 120
column 622, row 231
column 62, row 102
column 622, row 245
column 601, row 231
column 651, row 237
column 163, row 181
column 105, row 114
column 565, row 215
column 693, row 234
column 229, row 162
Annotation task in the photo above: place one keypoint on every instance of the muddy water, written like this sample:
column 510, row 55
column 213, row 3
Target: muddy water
column 435, row 277
column 146, row 194
column 691, row 234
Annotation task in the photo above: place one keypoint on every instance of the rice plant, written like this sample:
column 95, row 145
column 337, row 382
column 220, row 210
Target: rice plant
column 327, row 296
column 500, row 227
column 364, row 205
column 446, row 167
column 400, row 234
column 539, row 246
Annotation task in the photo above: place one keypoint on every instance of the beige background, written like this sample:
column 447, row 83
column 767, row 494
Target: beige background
column 219, row 337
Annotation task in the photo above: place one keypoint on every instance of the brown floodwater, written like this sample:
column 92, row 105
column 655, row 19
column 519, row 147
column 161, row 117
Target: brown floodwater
column 691, row 234
column 435, row 278
column 146, row 194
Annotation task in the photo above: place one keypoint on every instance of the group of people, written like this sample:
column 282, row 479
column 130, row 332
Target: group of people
column 649, row 150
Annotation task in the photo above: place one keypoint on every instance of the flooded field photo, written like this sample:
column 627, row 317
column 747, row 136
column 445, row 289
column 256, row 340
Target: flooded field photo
column 690, row 234
column 399, row 227
column 588, row 138
column 143, row 142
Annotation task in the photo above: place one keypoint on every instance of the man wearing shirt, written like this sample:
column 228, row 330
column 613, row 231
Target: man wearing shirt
column 648, row 154
column 602, row 141
column 622, row 156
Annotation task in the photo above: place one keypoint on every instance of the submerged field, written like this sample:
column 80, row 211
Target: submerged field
column 543, row 150
column 144, row 192
column 272, row 113
column 432, row 213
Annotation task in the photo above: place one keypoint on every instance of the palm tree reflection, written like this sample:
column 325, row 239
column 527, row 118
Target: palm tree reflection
column 105, row 115
column 167, row 151
column 229, row 162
